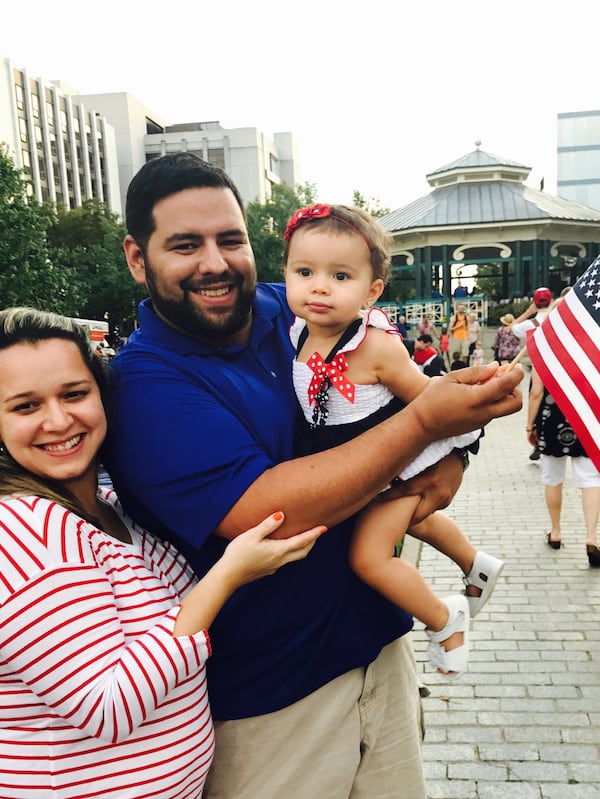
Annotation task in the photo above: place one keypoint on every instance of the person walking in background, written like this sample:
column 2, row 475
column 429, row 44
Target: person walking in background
column 402, row 327
column 425, row 326
column 457, row 362
column 103, row 632
column 445, row 347
column 534, row 315
column 336, row 267
column 473, row 332
column 548, row 429
column 460, row 290
column 478, row 355
column 506, row 345
column 427, row 357
column 458, row 331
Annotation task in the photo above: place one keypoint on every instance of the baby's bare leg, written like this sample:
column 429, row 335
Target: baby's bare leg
column 442, row 533
column 378, row 529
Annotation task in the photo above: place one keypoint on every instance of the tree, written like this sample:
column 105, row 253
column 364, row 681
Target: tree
column 266, row 225
column 27, row 274
column 372, row 205
column 89, row 242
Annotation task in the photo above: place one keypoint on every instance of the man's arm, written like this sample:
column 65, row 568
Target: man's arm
column 330, row 486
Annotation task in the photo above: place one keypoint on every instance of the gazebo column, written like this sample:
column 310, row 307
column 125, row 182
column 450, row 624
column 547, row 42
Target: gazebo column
column 519, row 271
column 426, row 287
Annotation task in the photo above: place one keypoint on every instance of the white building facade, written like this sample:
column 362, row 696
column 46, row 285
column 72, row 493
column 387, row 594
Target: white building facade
column 65, row 148
column 75, row 147
column 578, row 157
column 251, row 159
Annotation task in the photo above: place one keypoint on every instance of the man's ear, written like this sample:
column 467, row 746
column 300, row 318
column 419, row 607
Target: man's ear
column 135, row 260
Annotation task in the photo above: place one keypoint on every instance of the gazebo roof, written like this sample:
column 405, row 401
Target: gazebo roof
column 481, row 188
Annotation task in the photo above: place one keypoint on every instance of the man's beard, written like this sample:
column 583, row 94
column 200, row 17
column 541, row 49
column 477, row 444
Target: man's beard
column 186, row 316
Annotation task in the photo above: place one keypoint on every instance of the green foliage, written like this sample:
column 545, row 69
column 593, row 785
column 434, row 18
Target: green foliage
column 496, row 311
column 266, row 225
column 89, row 242
column 27, row 274
column 372, row 205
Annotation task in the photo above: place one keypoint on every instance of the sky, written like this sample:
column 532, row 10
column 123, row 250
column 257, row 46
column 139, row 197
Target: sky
column 377, row 93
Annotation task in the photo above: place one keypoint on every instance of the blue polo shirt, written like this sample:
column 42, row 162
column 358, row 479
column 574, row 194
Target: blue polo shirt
column 192, row 426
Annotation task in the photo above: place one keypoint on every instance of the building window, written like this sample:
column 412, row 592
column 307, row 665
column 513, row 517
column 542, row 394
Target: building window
column 24, row 135
column 216, row 157
column 20, row 97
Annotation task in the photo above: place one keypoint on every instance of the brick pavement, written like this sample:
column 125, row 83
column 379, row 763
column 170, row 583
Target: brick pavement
column 524, row 722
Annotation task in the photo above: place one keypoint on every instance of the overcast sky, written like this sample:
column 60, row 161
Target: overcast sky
column 378, row 93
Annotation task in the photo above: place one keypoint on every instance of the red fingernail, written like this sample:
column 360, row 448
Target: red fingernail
column 278, row 516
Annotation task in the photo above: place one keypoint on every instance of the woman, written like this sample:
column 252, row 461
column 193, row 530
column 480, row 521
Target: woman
column 506, row 345
column 103, row 630
column 548, row 429
column 426, row 326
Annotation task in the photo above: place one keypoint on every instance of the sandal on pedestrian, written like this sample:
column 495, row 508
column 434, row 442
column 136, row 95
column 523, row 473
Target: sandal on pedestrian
column 483, row 575
column 552, row 542
column 453, row 663
column 593, row 554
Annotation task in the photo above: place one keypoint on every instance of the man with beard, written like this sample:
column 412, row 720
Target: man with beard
column 312, row 679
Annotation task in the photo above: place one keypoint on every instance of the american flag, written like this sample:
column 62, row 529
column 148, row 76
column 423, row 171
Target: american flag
column 565, row 351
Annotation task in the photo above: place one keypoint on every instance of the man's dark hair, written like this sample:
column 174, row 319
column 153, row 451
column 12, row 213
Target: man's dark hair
column 425, row 338
column 162, row 177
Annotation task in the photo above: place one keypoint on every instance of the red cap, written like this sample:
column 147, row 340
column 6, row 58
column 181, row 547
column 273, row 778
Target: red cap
column 542, row 297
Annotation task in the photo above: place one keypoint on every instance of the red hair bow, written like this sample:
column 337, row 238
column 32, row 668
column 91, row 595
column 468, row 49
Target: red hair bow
column 333, row 371
column 317, row 211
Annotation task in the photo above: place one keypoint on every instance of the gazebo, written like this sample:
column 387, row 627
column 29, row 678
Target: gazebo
column 480, row 224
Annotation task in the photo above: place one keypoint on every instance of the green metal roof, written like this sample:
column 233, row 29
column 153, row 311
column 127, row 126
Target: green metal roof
column 482, row 188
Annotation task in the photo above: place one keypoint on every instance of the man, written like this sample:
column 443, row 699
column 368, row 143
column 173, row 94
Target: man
column 460, row 290
column 427, row 357
column 312, row 680
column 458, row 329
column 533, row 316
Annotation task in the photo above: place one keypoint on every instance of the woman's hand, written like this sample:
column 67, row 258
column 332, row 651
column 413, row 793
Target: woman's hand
column 247, row 557
column 254, row 554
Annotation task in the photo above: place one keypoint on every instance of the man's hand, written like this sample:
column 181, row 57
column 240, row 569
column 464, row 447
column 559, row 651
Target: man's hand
column 436, row 486
column 467, row 399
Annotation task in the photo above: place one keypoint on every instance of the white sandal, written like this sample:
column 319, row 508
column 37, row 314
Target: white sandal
column 453, row 663
column 483, row 575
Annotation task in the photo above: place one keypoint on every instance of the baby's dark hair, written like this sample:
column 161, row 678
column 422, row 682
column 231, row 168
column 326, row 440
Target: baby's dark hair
column 348, row 219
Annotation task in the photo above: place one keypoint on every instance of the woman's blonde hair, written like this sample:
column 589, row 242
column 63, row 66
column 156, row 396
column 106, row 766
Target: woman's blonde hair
column 22, row 325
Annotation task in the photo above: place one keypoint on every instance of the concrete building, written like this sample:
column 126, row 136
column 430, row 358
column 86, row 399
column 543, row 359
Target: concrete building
column 74, row 147
column 253, row 161
column 66, row 149
column 578, row 157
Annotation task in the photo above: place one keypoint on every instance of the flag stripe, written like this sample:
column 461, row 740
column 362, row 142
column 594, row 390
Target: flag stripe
column 577, row 412
column 565, row 350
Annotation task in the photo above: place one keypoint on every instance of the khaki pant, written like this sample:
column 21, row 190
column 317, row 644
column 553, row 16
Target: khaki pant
column 358, row 737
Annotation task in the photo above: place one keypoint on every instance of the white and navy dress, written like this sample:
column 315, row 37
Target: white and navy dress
column 333, row 410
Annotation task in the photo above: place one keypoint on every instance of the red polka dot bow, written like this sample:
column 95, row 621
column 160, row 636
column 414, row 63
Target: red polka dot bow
column 333, row 371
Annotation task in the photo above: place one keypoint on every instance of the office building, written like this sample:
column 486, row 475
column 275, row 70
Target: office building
column 73, row 147
column 578, row 157
column 65, row 148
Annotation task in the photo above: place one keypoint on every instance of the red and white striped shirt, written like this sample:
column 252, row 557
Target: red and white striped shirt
column 97, row 697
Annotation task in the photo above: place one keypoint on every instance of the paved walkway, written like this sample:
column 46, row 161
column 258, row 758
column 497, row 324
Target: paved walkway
column 524, row 722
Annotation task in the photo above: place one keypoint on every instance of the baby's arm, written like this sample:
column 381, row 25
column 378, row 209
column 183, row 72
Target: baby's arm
column 393, row 366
